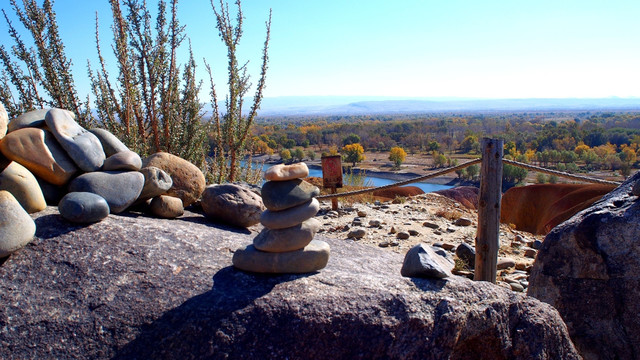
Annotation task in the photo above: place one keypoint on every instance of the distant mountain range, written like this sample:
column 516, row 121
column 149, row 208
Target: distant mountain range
column 351, row 105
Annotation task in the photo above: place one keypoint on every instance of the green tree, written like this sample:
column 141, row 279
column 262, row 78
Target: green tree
column 439, row 160
column 231, row 127
column 297, row 154
column 353, row 153
column 473, row 171
column 311, row 154
column 513, row 174
column 397, row 155
column 351, row 139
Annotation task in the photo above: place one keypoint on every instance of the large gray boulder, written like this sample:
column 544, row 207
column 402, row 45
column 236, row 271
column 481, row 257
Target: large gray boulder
column 132, row 287
column 589, row 269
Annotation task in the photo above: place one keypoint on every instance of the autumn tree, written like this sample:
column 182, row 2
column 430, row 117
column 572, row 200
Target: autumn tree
column 397, row 155
column 353, row 153
column 285, row 155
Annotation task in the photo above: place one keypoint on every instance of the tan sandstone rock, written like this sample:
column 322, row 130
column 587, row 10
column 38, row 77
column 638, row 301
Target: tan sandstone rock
column 188, row 180
column 283, row 172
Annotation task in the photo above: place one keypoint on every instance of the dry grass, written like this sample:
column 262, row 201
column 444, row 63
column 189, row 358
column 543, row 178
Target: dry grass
column 449, row 214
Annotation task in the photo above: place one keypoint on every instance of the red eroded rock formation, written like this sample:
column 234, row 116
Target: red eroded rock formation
column 539, row 208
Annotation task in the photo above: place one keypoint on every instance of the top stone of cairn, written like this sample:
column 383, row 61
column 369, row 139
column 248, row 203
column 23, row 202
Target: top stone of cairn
column 283, row 172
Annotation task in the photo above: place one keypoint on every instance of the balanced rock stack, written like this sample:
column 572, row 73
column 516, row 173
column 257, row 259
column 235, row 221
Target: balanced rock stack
column 286, row 244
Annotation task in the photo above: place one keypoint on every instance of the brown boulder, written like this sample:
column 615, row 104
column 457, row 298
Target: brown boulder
column 539, row 208
column 188, row 180
column 133, row 287
column 232, row 204
column 398, row 191
column 589, row 269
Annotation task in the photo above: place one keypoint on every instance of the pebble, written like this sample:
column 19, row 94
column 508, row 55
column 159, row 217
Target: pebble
column 362, row 213
column 393, row 230
column 451, row 230
column 125, row 160
column 281, row 195
column 188, row 180
column 83, row 207
column 17, row 228
column 288, row 239
column 422, row 261
column 290, row 217
column 21, row 183
column 413, row 232
column 333, row 214
column 375, row 223
column 233, row 204
column 530, row 253
column 119, row 188
column 83, row 147
column 165, row 206
column 38, row 151
column 283, row 172
column 357, row 234
column 312, row 258
column 516, row 287
column 402, row 235
column 448, row 246
column 505, row 263
column 430, row 225
column 462, row 222
column 110, row 143
column 156, row 182
column 4, row 121
column 467, row 253
column 536, row 244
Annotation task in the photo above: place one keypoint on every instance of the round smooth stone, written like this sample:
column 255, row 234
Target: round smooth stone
column 232, row 204
column 168, row 207
column 289, row 239
column 37, row 150
column 283, row 172
column 33, row 118
column 4, row 121
column 119, row 188
column 21, row 183
column 125, row 160
column 83, row 207
column 110, row 143
column 83, row 147
column 188, row 180
column 156, row 182
column 312, row 258
column 281, row 195
column 16, row 226
column 290, row 217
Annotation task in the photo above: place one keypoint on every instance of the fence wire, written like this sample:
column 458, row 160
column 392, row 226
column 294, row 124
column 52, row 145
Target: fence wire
column 464, row 165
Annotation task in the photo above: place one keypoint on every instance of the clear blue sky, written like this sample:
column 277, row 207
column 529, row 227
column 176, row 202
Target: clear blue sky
column 405, row 48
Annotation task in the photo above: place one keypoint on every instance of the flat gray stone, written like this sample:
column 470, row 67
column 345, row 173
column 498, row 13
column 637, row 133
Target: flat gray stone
column 125, row 161
column 290, row 217
column 110, row 143
column 21, row 183
column 83, row 207
column 16, row 226
column 422, row 261
column 33, row 118
column 312, row 258
column 120, row 189
column 281, row 195
column 83, row 147
column 289, row 239
column 156, row 182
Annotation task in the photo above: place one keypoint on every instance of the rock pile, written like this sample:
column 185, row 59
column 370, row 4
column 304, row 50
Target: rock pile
column 286, row 244
column 47, row 158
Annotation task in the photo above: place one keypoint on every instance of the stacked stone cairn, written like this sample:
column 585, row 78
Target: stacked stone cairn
column 47, row 158
column 286, row 245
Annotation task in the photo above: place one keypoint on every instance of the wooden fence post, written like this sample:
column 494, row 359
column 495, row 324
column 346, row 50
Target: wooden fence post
column 487, row 236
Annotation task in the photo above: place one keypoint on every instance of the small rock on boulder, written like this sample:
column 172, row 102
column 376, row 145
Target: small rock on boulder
column 167, row 207
column 156, row 182
column 119, row 188
column 312, row 257
column 290, row 217
column 289, row 239
column 283, row 172
column 188, row 180
column 423, row 261
column 281, row 195
column 110, row 143
column 16, row 226
column 83, row 207
column 232, row 204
